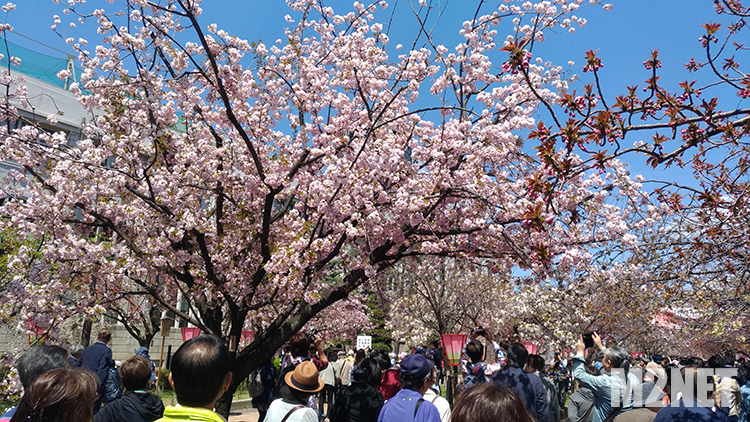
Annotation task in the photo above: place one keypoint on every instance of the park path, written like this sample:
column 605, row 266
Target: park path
column 243, row 412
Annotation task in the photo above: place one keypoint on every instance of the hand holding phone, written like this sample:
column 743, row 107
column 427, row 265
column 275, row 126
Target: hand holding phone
column 588, row 339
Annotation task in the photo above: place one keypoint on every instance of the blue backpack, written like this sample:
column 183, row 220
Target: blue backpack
column 474, row 375
column 112, row 389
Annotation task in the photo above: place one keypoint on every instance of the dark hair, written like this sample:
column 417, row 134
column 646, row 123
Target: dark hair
column 135, row 373
column 489, row 402
column 696, row 373
column 591, row 370
column 299, row 345
column 517, row 355
column 293, row 395
column 368, row 372
column 359, row 356
column 413, row 383
column 199, row 368
column 104, row 335
column 536, row 362
column 475, row 351
column 696, row 361
column 38, row 360
column 60, row 395
column 382, row 359
column 716, row 361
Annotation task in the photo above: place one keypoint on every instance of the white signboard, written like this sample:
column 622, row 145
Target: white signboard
column 364, row 342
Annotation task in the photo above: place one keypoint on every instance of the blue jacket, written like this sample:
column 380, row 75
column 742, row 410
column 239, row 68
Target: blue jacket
column 691, row 411
column 529, row 388
column 98, row 359
column 400, row 408
column 602, row 386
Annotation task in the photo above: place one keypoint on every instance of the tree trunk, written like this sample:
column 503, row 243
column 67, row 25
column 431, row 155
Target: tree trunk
column 86, row 332
column 224, row 405
column 146, row 340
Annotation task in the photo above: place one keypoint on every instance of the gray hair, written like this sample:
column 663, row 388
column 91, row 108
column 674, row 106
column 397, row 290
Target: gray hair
column 619, row 357
column 76, row 349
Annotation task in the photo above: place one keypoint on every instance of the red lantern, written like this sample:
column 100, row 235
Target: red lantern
column 453, row 345
column 531, row 347
column 39, row 336
column 190, row 332
column 247, row 336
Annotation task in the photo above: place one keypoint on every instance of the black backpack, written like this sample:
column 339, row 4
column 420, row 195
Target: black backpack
column 280, row 380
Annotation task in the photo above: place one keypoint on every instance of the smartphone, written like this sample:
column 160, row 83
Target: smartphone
column 588, row 339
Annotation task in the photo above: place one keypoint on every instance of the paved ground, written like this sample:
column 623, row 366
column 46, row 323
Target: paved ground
column 246, row 415
column 242, row 411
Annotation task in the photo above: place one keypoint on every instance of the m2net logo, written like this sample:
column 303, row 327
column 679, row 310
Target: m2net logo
column 693, row 386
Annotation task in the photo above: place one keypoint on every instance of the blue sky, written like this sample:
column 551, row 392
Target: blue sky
column 623, row 36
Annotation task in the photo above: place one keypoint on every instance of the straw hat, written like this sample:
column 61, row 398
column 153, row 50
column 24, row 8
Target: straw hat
column 305, row 378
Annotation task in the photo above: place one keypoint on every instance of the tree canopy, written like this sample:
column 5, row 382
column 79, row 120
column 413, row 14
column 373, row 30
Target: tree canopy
column 267, row 183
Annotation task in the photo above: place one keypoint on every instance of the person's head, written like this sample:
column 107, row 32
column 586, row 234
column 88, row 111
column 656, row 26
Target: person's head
column 369, row 371
column 489, row 402
column 341, row 355
column 60, row 395
column 416, row 372
column 716, row 362
column 475, row 351
column 299, row 345
column 616, row 357
column 142, row 351
column 535, row 363
column 135, row 373
column 200, row 371
column 649, row 395
column 381, row 358
column 359, row 356
column 76, row 350
column 517, row 355
column 591, row 369
column 304, row 381
column 38, row 360
column 694, row 361
column 104, row 335
column 654, row 372
column 698, row 377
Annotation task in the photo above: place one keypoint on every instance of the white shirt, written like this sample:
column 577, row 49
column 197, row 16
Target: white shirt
column 279, row 408
column 444, row 408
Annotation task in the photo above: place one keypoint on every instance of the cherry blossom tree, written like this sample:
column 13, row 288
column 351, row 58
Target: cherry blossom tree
column 433, row 296
column 698, row 260
column 267, row 183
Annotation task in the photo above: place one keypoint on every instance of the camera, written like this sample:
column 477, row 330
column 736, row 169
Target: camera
column 588, row 339
column 312, row 334
column 480, row 331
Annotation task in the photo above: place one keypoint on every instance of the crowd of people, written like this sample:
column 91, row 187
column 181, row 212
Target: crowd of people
column 504, row 382
column 68, row 386
column 498, row 382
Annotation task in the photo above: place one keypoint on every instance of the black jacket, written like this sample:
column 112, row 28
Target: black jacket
column 132, row 407
column 358, row 402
